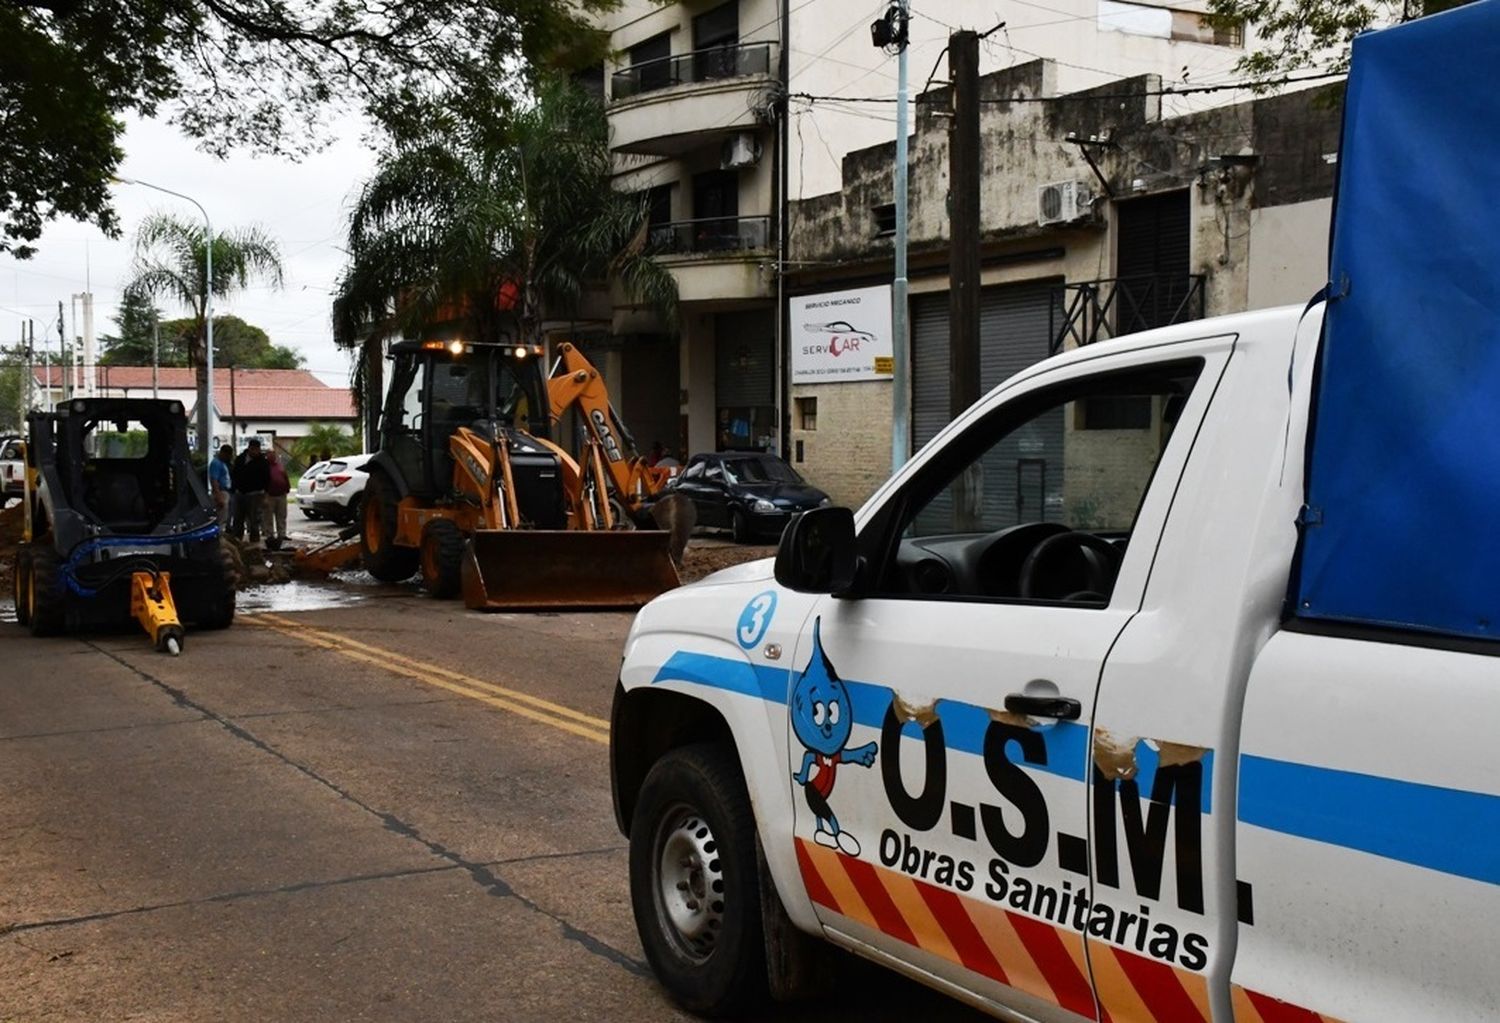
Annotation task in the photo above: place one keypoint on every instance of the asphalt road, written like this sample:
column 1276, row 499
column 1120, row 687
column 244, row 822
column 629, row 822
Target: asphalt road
column 388, row 809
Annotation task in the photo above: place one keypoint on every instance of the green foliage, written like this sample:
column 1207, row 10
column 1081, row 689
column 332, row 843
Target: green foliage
column 12, row 378
column 321, row 437
column 132, row 345
column 171, row 261
column 270, row 75
column 236, row 343
column 468, row 209
column 1299, row 34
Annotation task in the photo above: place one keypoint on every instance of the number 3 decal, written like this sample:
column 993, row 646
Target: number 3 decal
column 756, row 618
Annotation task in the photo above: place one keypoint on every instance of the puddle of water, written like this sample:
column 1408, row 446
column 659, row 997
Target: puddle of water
column 297, row 595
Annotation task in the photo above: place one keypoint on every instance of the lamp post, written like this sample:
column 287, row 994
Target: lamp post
column 208, row 309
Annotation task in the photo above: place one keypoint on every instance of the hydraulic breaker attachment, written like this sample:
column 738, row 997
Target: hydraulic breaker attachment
column 530, row 569
column 151, row 604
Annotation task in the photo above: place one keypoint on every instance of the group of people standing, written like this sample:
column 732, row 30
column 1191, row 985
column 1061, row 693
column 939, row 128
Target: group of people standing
column 250, row 492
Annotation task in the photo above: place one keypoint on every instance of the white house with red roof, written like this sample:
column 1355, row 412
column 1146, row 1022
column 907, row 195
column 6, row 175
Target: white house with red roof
column 277, row 405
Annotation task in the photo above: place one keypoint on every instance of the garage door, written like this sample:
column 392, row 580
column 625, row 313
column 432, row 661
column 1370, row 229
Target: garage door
column 1022, row 475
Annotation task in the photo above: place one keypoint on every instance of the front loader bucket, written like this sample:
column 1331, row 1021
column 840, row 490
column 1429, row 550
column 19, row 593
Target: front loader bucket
column 530, row 569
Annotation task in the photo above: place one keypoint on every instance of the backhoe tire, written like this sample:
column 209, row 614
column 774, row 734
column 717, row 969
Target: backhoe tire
column 20, row 586
column 47, row 603
column 382, row 557
column 442, row 558
column 220, row 611
column 694, row 881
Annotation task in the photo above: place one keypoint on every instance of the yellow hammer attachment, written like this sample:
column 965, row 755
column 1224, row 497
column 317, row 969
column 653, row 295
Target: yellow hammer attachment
column 151, row 604
column 531, row 569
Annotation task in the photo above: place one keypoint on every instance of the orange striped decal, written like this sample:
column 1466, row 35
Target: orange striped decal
column 1254, row 1007
column 1020, row 951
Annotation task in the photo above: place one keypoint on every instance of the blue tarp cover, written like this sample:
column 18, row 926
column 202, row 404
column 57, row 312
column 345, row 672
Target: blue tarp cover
column 1402, row 525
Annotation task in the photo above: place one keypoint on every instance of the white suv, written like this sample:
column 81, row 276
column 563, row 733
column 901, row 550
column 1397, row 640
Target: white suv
column 12, row 467
column 339, row 488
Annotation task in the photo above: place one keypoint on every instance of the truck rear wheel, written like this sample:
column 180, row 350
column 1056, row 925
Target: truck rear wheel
column 442, row 558
column 383, row 558
column 46, row 602
column 225, row 586
column 694, row 884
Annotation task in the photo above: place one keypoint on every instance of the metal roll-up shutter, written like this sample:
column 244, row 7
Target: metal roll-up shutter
column 1022, row 476
column 745, row 359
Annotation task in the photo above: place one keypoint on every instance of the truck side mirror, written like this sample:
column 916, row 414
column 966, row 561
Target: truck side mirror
column 819, row 552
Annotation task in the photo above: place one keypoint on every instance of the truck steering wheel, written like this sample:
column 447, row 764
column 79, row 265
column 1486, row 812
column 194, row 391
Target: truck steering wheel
column 1073, row 566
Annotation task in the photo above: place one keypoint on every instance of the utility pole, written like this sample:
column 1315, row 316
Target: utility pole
column 30, row 380
column 963, row 261
column 62, row 353
column 155, row 353
column 234, row 414
column 892, row 31
column 90, row 369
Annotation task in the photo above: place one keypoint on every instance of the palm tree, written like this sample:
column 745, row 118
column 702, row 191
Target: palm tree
column 491, row 224
column 170, row 255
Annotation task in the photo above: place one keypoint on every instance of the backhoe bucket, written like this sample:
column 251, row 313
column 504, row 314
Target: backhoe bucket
column 529, row 569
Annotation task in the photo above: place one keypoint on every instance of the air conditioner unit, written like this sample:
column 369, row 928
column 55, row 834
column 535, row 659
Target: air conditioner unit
column 1063, row 202
column 740, row 151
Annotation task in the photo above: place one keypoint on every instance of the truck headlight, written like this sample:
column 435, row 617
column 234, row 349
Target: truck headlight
column 763, row 507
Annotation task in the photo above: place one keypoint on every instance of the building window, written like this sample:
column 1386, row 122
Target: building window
column 590, row 80
column 1115, row 412
column 649, row 64
column 716, row 210
column 716, row 34
column 807, row 413
column 885, row 219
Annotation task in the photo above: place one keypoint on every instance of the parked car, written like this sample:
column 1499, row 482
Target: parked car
column 755, row 495
column 305, row 489
column 12, row 467
column 338, row 490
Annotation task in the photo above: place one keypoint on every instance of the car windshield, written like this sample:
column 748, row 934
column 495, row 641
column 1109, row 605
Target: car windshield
column 765, row 469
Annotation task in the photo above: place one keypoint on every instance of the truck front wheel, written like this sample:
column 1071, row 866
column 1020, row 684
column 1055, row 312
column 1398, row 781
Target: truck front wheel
column 693, row 881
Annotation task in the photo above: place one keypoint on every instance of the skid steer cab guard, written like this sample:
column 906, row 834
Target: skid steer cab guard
column 119, row 525
column 470, row 489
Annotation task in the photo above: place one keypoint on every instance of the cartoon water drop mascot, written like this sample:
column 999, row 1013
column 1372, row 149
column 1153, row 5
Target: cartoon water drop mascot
column 822, row 718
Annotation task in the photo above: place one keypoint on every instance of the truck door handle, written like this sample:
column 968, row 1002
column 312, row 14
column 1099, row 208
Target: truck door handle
column 1061, row 707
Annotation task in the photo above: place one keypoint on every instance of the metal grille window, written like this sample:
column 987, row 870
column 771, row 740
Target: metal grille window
column 807, row 413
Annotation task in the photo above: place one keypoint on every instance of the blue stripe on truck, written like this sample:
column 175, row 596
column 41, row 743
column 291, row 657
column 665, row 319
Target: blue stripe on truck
column 1449, row 830
column 964, row 724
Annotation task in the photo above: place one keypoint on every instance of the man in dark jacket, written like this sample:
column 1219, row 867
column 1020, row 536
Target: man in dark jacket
column 252, row 474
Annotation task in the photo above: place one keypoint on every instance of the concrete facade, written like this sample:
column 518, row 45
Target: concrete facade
column 1256, row 177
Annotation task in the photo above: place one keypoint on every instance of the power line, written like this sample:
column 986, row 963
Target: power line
column 1139, row 94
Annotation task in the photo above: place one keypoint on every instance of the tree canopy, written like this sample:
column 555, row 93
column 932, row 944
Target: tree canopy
column 1300, row 34
column 171, row 261
column 236, row 343
column 270, row 75
column 492, row 223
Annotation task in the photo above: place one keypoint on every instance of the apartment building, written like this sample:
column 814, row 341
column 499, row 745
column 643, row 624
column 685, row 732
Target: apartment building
column 733, row 120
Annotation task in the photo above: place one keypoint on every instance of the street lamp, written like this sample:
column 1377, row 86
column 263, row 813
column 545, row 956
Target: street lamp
column 208, row 306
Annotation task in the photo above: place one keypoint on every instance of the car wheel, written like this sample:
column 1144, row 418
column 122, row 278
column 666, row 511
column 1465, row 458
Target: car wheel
column 308, row 513
column 694, row 884
column 740, row 526
column 442, row 558
column 20, row 586
column 383, row 558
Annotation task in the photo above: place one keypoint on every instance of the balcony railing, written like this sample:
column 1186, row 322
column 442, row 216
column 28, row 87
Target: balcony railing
column 707, row 65
column 1091, row 311
column 712, row 234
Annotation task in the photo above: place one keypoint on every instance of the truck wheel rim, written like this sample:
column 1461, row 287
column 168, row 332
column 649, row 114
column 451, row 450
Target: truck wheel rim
column 690, row 883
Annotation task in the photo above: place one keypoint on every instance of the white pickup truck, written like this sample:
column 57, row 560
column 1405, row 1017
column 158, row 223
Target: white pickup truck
column 12, row 467
column 1046, row 738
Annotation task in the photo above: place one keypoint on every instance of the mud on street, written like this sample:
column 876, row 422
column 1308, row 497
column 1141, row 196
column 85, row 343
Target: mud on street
column 357, row 803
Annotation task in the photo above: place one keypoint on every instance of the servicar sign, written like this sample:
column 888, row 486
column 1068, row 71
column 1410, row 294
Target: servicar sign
column 841, row 336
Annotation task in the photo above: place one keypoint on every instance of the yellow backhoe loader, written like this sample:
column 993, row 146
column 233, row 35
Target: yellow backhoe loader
column 468, row 489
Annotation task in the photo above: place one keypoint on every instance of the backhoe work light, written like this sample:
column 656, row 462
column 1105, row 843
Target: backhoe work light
column 457, row 347
column 521, row 353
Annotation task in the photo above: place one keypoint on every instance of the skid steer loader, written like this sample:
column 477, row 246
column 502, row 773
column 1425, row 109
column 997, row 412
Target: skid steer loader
column 118, row 525
column 468, row 489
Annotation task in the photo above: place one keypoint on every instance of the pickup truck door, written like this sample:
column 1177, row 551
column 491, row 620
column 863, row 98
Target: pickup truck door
column 940, row 719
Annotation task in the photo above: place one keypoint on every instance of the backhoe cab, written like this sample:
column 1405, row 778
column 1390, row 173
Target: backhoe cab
column 468, row 488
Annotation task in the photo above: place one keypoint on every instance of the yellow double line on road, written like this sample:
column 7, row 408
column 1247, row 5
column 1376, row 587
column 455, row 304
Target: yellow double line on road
column 516, row 702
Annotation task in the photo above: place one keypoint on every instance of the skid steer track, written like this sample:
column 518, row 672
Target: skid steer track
column 530, row 570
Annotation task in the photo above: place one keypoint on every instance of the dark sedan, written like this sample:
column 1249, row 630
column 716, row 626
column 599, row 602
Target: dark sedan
column 754, row 495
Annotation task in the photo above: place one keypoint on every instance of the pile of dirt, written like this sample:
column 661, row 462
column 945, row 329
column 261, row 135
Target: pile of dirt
column 11, row 523
column 702, row 560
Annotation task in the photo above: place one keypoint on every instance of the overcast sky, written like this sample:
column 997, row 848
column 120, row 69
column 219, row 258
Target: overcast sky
column 302, row 205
